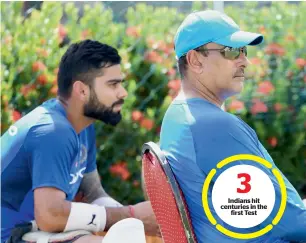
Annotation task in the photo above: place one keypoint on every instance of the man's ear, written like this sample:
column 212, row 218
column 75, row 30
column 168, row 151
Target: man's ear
column 80, row 90
column 194, row 61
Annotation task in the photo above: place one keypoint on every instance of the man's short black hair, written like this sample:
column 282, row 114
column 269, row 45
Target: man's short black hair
column 83, row 61
column 182, row 66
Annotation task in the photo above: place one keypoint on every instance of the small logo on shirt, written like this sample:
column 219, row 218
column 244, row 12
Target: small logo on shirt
column 13, row 130
column 92, row 221
column 76, row 176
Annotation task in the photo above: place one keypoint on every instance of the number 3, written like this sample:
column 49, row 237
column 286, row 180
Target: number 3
column 245, row 183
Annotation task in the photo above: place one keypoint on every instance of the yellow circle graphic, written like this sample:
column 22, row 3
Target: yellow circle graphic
column 280, row 181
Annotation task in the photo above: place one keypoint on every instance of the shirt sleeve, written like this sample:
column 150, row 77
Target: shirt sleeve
column 220, row 138
column 92, row 151
column 52, row 150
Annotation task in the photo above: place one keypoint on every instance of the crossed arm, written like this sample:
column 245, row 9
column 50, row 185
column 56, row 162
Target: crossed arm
column 91, row 191
column 52, row 209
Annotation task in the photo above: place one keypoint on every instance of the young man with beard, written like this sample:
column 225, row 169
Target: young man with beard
column 197, row 134
column 53, row 154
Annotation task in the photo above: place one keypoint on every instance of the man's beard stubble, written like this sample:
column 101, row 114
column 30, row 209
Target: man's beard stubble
column 94, row 109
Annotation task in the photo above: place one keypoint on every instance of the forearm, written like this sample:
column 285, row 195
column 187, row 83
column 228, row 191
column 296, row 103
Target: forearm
column 91, row 191
column 55, row 219
column 91, row 188
column 94, row 218
column 59, row 218
column 113, row 215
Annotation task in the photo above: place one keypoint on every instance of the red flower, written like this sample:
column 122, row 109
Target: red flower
column 42, row 52
column 262, row 30
column 133, row 31
column 258, row 107
column 137, row 116
column 15, row 115
column 265, row 87
column 26, row 89
column 153, row 56
column 147, row 123
column 38, row 66
column 300, row 62
column 162, row 46
column 275, row 48
column 120, row 169
column 236, row 105
column 174, row 85
column 278, row 107
column 272, row 141
column 62, row 32
column 85, row 34
column 53, row 90
column 171, row 73
column 255, row 61
column 290, row 38
column 42, row 79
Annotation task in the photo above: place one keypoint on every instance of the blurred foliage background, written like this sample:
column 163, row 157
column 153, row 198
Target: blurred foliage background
column 273, row 102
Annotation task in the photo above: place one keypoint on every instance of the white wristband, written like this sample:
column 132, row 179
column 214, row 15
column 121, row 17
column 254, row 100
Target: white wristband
column 107, row 202
column 85, row 216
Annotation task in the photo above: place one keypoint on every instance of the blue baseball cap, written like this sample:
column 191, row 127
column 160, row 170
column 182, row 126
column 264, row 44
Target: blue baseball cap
column 200, row 28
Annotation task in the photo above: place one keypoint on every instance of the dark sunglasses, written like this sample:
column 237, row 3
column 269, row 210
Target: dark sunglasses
column 229, row 53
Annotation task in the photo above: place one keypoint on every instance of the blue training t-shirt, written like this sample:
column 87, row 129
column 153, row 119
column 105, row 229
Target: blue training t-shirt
column 195, row 136
column 45, row 152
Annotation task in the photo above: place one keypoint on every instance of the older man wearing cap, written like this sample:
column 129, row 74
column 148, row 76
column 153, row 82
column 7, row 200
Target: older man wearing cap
column 197, row 134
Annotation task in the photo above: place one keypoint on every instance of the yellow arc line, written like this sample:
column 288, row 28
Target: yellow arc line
column 283, row 196
column 280, row 182
column 205, row 195
column 244, row 236
column 244, row 157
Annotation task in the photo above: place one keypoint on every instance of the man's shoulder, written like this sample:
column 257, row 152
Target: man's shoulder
column 222, row 124
column 38, row 128
column 47, row 120
column 197, row 113
column 202, row 117
column 44, row 124
column 217, row 118
column 53, row 129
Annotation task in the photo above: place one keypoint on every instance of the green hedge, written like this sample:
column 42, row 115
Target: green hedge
column 273, row 101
